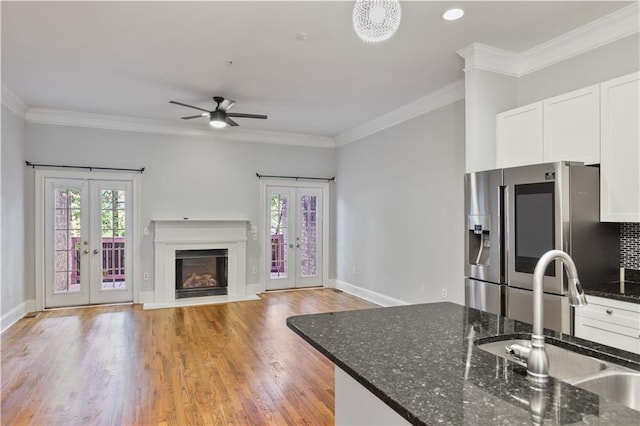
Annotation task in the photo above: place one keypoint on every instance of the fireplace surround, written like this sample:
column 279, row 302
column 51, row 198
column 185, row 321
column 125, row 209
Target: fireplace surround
column 171, row 236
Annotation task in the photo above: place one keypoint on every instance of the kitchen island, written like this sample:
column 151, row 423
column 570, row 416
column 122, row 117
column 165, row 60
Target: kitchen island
column 421, row 363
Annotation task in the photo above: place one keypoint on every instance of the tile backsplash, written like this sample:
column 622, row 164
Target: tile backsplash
column 630, row 245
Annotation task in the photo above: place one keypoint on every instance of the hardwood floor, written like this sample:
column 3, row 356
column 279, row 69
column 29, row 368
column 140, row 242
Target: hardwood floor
column 235, row 363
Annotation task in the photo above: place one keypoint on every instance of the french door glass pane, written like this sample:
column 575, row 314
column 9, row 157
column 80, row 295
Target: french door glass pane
column 112, row 210
column 279, row 236
column 309, row 236
column 67, row 240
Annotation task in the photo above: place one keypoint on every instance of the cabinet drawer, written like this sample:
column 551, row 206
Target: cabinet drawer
column 617, row 336
column 610, row 314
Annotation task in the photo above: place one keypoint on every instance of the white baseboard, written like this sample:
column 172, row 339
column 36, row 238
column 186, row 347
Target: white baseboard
column 366, row 294
column 16, row 314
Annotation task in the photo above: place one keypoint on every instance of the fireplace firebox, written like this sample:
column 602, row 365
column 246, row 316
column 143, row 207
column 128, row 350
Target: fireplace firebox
column 201, row 273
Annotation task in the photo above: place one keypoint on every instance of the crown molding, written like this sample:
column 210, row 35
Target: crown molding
column 13, row 102
column 142, row 125
column 434, row 100
column 607, row 29
column 479, row 56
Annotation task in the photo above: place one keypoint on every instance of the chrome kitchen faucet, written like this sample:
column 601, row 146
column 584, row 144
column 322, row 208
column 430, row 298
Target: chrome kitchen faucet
column 536, row 355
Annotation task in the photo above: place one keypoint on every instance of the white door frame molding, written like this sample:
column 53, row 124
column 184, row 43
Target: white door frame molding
column 39, row 205
column 265, row 260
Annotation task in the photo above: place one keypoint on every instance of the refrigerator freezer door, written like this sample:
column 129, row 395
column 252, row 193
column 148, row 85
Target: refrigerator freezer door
column 483, row 230
column 557, row 312
column 483, row 296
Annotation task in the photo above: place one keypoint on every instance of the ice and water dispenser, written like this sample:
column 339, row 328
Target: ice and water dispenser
column 479, row 240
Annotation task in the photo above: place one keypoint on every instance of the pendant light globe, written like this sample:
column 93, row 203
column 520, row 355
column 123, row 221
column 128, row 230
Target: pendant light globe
column 376, row 20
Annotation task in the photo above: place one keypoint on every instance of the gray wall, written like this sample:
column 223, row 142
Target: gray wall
column 399, row 202
column 13, row 219
column 604, row 63
column 185, row 176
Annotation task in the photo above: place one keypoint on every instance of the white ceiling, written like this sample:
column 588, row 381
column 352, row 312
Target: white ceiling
column 131, row 58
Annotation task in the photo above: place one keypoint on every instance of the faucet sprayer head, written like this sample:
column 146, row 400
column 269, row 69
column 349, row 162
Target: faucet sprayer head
column 576, row 293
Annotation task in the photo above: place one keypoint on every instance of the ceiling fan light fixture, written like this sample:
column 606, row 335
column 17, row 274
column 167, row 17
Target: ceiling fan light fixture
column 376, row 20
column 217, row 120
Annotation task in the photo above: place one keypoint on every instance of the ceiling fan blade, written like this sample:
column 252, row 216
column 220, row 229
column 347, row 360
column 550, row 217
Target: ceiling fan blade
column 238, row 114
column 194, row 116
column 226, row 104
column 189, row 106
column 230, row 122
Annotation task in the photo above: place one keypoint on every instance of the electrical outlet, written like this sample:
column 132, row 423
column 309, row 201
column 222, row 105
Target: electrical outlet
column 444, row 293
column 255, row 237
column 145, row 276
column 254, row 269
column 145, row 231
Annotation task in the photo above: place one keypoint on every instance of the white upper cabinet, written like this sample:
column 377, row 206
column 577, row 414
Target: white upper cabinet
column 620, row 149
column 519, row 136
column 562, row 128
column 572, row 126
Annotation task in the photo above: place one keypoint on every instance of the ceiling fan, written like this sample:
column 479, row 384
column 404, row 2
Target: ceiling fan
column 219, row 117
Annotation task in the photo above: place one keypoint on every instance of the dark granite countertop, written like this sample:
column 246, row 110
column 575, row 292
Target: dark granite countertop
column 421, row 360
column 630, row 292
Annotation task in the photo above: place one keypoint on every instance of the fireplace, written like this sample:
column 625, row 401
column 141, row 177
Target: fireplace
column 201, row 273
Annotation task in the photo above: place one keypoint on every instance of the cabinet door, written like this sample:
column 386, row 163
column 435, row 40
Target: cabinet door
column 620, row 150
column 519, row 136
column 572, row 126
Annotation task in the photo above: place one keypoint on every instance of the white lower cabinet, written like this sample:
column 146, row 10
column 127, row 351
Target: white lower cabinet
column 610, row 322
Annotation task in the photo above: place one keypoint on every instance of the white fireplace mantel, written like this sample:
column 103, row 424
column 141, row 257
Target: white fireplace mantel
column 172, row 235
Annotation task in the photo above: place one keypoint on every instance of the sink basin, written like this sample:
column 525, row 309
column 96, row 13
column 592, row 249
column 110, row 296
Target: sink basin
column 620, row 386
column 605, row 379
column 563, row 363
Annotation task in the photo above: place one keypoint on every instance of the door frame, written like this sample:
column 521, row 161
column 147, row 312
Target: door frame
column 264, row 237
column 39, row 228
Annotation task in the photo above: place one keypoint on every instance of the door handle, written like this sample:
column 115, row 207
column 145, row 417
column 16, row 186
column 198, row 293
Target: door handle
column 96, row 251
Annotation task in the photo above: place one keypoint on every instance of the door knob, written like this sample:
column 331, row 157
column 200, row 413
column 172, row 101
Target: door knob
column 290, row 245
column 96, row 251
column 297, row 245
column 86, row 243
column 85, row 251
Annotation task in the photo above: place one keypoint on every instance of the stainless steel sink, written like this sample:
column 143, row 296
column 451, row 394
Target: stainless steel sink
column 563, row 363
column 605, row 379
column 619, row 386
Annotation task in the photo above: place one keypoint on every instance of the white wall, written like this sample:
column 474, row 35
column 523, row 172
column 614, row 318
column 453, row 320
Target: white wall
column 185, row 176
column 486, row 94
column 399, row 202
column 13, row 223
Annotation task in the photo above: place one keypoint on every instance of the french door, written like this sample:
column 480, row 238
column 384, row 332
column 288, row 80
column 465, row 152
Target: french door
column 295, row 237
column 87, row 237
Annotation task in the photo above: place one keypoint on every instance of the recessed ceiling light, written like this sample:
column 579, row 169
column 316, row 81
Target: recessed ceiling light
column 453, row 14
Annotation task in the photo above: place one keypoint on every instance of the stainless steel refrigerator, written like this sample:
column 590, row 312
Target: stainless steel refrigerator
column 539, row 208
